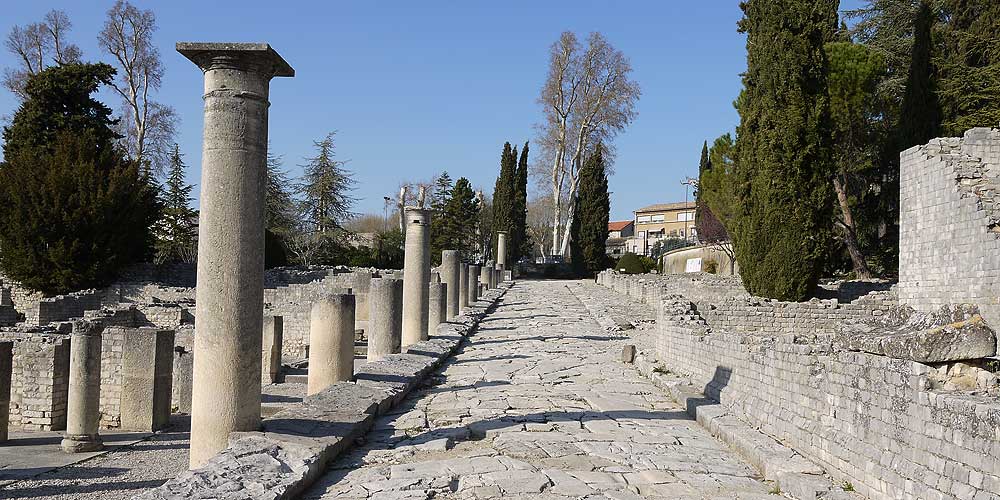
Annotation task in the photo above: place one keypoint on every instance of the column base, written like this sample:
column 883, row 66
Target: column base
column 80, row 443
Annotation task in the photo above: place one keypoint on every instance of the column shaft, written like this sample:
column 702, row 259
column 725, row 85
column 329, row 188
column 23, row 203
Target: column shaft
column 473, row 286
column 6, row 371
column 449, row 275
column 385, row 317
column 463, row 287
column 331, row 342
column 438, row 309
column 416, row 275
column 83, row 413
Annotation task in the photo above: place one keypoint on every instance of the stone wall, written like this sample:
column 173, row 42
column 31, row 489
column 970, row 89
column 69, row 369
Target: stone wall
column 63, row 307
column 869, row 420
column 949, row 241
column 39, row 379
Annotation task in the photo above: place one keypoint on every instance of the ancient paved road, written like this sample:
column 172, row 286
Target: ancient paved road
column 538, row 406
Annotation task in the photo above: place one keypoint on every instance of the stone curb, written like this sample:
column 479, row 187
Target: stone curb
column 295, row 445
column 796, row 476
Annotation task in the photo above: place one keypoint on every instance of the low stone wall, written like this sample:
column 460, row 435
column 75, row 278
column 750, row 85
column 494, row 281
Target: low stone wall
column 63, row 307
column 39, row 379
column 867, row 419
column 772, row 317
column 295, row 445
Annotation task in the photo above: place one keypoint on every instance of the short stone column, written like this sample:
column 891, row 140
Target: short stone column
column 270, row 356
column 502, row 249
column 473, row 286
column 83, row 407
column 230, row 294
column 331, row 342
column 6, row 372
column 484, row 276
column 385, row 317
column 360, row 281
column 438, row 309
column 147, row 379
column 416, row 274
column 450, row 272
column 463, row 287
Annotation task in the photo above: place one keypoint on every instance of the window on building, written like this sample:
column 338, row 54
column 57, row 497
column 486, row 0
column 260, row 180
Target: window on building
column 642, row 234
column 685, row 216
column 642, row 218
column 657, row 218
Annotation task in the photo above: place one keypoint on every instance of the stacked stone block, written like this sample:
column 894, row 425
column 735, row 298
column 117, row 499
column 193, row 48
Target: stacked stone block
column 949, row 241
column 39, row 379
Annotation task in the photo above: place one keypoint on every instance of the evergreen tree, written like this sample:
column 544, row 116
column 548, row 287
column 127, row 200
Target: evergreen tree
column 440, row 195
column 706, row 224
column 325, row 204
column 969, row 65
column 920, row 113
column 593, row 207
column 782, row 226
column 503, row 199
column 460, row 217
column 177, row 230
column 521, row 242
column 280, row 218
column 74, row 210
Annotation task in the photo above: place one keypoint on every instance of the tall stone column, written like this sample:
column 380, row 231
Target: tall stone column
column 449, row 275
column 230, row 295
column 83, row 413
column 416, row 274
column 463, row 287
column 385, row 317
column 6, row 372
column 331, row 342
column 502, row 249
column 437, row 312
column 473, row 283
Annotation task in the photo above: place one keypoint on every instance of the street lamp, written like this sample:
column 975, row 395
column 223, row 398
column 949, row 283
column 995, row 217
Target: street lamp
column 687, row 182
column 385, row 213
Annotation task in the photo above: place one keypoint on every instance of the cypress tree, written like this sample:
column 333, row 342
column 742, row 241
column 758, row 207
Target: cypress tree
column 706, row 224
column 176, row 231
column 503, row 197
column 440, row 196
column 75, row 211
column 521, row 243
column 920, row 112
column 593, row 208
column 782, row 225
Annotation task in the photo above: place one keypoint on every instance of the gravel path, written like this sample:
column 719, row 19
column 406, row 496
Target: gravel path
column 118, row 474
column 537, row 406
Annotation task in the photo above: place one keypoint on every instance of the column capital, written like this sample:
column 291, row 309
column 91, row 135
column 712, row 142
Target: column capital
column 252, row 57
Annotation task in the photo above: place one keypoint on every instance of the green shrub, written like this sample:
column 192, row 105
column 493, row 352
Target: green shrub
column 630, row 263
column 711, row 266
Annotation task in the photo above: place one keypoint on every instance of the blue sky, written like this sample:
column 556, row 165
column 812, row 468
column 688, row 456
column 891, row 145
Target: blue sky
column 414, row 88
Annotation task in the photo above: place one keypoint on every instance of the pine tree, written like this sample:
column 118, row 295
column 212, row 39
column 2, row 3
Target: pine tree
column 920, row 112
column 503, row 198
column 593, row 207
column 440, row 196
column 280, row 219
column 969, row 65
column 176, row 232
column 325, row 204
column 460, row 217
column 74, row 210
column 521, row 246
column 782, row 226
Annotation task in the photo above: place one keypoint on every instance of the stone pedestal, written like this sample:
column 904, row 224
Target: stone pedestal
column 230, row 294
column 385, row 317
column 147, row 379
column 473, row 286
column 331, row 342
column 6, row 370
column 502, row 249
column 270, row 356
column 83, row 412
column 416, row 274
column 463, row 287
column 438, row 308
column 449, row 275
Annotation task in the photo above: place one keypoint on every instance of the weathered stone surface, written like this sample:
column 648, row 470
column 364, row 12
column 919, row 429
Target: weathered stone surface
column 949, row 334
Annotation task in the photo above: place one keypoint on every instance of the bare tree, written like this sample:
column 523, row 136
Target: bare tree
column 587, row 98
column 147, row 126
column 37, row 46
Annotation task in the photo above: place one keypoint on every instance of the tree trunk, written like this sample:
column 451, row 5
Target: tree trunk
column 861, row 269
